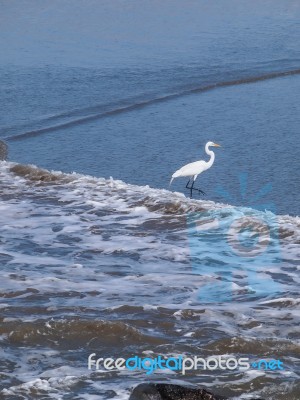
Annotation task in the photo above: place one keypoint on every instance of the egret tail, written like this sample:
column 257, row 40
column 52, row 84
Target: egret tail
column 175, row 175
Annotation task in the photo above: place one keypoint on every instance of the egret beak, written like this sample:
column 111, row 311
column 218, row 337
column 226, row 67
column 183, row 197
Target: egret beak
column 217, row 145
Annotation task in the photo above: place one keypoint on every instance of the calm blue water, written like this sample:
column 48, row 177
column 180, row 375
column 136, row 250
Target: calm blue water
column 256, row 124
column 133, row 90
column 61, row 82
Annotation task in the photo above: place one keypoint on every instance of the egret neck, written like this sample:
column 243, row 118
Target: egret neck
column 211, row 154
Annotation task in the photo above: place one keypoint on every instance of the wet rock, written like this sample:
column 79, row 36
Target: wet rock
column 163, row 391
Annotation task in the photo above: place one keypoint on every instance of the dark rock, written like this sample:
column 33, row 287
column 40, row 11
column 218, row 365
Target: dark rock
column 164, row 391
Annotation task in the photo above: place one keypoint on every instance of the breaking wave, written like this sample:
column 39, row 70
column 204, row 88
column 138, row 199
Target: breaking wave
column 86, row 263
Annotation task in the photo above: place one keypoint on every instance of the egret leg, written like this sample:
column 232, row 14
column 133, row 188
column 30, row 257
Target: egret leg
column 187, row 185
column 192, row 188
column 200, row 191
column 191, row 195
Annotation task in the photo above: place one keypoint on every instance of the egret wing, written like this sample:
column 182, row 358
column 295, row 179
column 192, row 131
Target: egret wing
column 194, row 168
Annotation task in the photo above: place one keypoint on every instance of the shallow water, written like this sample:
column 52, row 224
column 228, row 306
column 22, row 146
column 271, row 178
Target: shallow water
column 108, row 259
column 103, row 266
column 145, row 146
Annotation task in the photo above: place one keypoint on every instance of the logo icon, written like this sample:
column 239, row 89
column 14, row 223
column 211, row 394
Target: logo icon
column 235, row 249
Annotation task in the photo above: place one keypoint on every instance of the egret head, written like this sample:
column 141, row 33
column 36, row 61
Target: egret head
column 208, row 144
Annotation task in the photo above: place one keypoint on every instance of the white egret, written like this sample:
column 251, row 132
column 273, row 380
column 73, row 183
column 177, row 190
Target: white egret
column 192, row 170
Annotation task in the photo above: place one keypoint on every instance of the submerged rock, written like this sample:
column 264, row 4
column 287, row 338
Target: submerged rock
column 164, row 391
